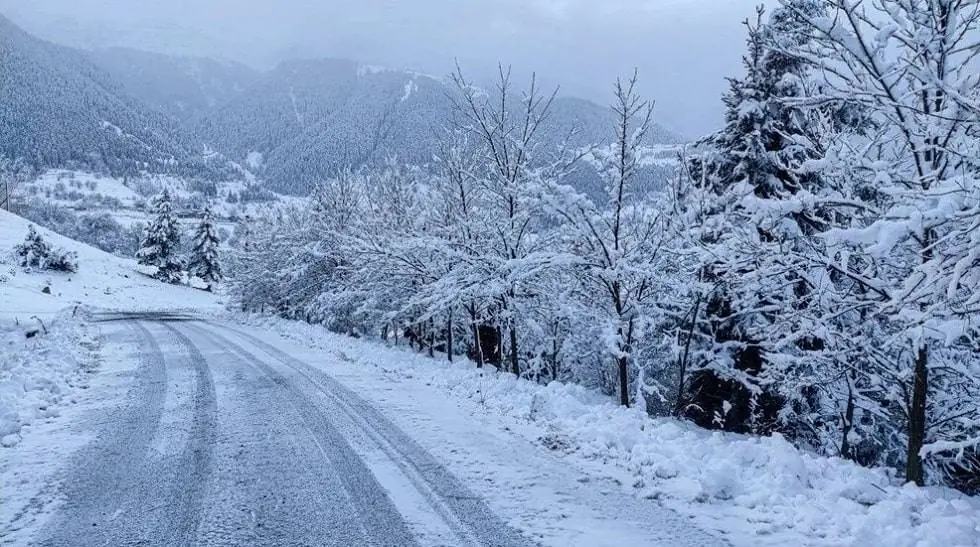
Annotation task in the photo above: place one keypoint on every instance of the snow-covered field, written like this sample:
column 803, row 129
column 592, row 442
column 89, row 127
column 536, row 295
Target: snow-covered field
column 124, row 197
column 754, row 491
column 39, row 374
column 81, row 189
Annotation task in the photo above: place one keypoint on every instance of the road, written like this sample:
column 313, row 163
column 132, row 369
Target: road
column 204, row 433
column 225, row 440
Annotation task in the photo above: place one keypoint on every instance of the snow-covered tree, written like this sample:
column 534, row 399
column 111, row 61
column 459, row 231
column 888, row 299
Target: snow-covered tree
column 205, row 263
column 13, row 173
column 618, row 242
column 35, row 252
column 505, row 133
column 906, row 262
column 760, row 198
column 161, row 241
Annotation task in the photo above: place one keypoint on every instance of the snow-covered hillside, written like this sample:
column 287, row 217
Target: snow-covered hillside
column 109, row 213
column 59, row 110
column 40, row 373
column 125, row 197
column 103, row 281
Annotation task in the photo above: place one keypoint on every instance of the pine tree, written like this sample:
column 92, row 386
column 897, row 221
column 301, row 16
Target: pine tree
column 161, row 240
column 205, row 262
column 755, row 179
column 767, row 139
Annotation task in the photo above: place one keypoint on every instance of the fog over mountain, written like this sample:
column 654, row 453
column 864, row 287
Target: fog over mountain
column 683, row 48
column 125, row 111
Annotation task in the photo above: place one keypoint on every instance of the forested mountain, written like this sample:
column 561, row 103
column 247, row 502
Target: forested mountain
column 57, row 109
column 183, row 87
column 308, row 118
column 124, row 111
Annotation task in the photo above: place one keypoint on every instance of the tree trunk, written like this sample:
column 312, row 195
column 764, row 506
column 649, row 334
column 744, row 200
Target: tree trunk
column 432, row 338
column 682, row 366
column 624, row 392
column 845, row 446
column 917, row 419
column 554, row 357
column 515, row 366
column 498, row 349
column 449, row 337
column 476, row 336
column 625, row 348
column 477, row 345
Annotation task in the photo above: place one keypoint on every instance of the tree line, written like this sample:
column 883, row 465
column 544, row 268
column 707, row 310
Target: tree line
column 810, row 270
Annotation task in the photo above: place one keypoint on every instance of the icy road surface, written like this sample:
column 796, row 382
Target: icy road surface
column 206, row 434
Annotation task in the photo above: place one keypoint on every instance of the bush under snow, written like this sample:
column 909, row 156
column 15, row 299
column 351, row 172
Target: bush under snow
column 756, row 490
column 36, row 252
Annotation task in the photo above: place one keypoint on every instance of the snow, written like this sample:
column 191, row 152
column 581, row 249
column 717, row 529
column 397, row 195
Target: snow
column 83, row 184
column 364, row 70
column 103, row 281
column 113, row 128
column 124, row 198
column 537, row 451
column 369, row 70
column 37, row 374
column 54, row 435
column 410, row 88
column 254, row 160
column 525, row 482
column 755, row 491
column 295, row 105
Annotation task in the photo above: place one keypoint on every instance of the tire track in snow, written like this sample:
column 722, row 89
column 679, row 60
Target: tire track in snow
column 271, row 484
column 197, row 457
column 105, row 477
column 49, row 492
column 468, row 515
column 381, row 522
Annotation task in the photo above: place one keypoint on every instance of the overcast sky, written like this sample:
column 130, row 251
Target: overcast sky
column 683, row 48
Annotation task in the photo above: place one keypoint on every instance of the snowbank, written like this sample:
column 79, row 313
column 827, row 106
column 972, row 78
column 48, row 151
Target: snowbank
column 38, row 374
column 757, row 491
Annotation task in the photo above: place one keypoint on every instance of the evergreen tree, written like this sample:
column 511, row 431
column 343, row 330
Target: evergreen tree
column 161, row 240
column 756, row 178
column 903, row 267
column 205, row 262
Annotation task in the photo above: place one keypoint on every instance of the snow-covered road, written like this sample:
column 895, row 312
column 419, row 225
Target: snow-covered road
column 231, row 437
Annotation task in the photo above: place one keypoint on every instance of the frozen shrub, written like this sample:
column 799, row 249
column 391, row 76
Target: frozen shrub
column 35, row 252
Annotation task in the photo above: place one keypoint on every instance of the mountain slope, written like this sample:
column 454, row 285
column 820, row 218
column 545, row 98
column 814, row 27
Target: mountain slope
column 124, row 112
column 307, row 118
column 59, row 110
column 184, row 88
